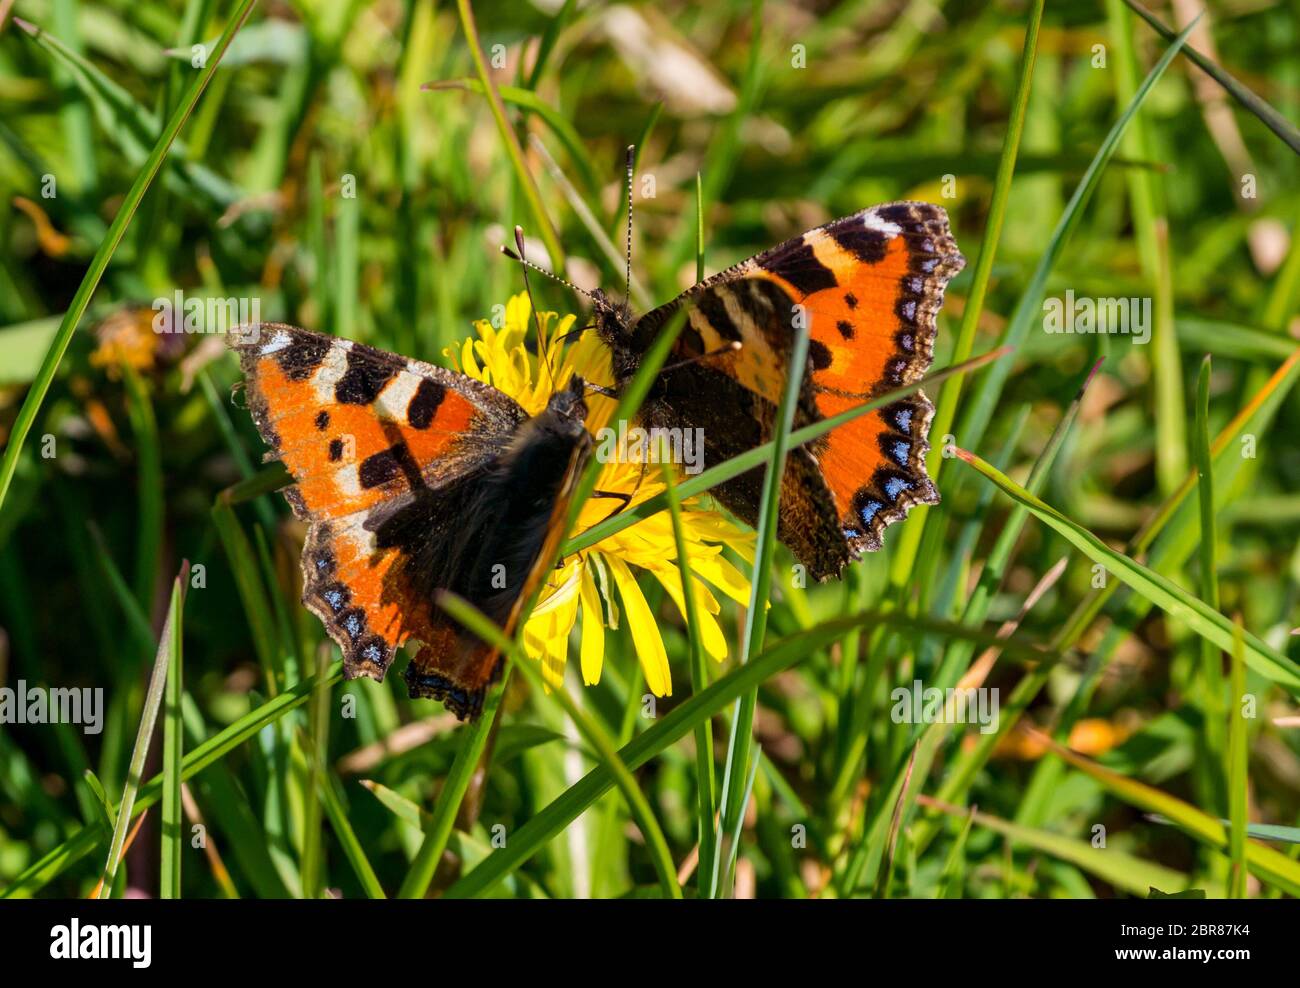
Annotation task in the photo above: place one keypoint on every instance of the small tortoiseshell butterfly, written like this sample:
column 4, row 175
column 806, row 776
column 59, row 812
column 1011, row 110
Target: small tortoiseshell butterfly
column 868, row 287
column 412, row 478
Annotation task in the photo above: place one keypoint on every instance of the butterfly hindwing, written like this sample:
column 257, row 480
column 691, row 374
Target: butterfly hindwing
column 868, row 288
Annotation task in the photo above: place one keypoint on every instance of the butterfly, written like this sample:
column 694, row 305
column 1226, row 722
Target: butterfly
column 868, row 288
column 412, row 479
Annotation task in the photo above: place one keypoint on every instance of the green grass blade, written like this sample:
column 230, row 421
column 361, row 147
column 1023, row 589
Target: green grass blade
column 705, row 782
column 954, row 866
column 1265, row 863
column 527, row 100
column 345, row 267
column 169, row 883
column 699, row 229
column 946, row 406
column 1118, row 868
column 133, row 127
column 148, row 719
column 1231, row 339
column 733, row 800
column 443, row 819
column 588, row 728
column 1255, row 831
column 75, row 115
column 232, row 816
column 347, row 837
column 252, row 591
column 1162, row 592
column 549, row 37
column 404, row 809
column 885, row 876
column 318, row 245
column 725, row 146
column 1150, row 231
column 1273, row 120
column 196, row 760
column 1237, row 769
column 1211, row 686
column 544, row 228
column 137, row 623
column 314, row 748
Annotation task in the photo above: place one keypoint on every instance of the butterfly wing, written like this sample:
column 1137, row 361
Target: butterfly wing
column 869, row 287
column 366, row 433
column 511, row 526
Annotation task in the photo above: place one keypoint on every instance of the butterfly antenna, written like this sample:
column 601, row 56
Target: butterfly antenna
column 596, row 303
column 627, row 283
column 543, row 351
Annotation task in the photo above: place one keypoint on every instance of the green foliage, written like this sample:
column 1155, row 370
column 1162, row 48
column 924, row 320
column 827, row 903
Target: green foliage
column 1118, row 564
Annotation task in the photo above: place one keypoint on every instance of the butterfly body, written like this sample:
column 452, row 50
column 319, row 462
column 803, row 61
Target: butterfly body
column 867, row 289
column 413, row 480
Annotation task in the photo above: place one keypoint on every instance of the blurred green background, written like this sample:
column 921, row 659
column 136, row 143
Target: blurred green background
column 317, row 176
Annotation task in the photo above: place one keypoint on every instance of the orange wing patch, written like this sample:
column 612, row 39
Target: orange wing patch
column 354, row 425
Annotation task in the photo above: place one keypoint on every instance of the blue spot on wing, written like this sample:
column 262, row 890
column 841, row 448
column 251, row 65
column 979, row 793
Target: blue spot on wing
column 900, row 450
column 868, row 508
column 895, row 486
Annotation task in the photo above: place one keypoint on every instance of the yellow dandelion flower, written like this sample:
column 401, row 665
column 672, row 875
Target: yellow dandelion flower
column 599, row 583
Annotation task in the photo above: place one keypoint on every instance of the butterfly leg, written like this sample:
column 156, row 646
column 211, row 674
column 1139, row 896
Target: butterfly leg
column 619, row 495
column 626, row 499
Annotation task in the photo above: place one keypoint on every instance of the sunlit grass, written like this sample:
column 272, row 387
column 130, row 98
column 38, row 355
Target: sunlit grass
column 1097, row 558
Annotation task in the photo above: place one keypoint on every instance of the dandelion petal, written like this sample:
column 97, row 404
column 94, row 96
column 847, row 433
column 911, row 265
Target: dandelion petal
column 645, row 632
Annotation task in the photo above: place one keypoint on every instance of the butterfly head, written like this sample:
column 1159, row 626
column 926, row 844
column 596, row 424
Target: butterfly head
column 567, row 408
column 610, row 314
column 613, row 323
